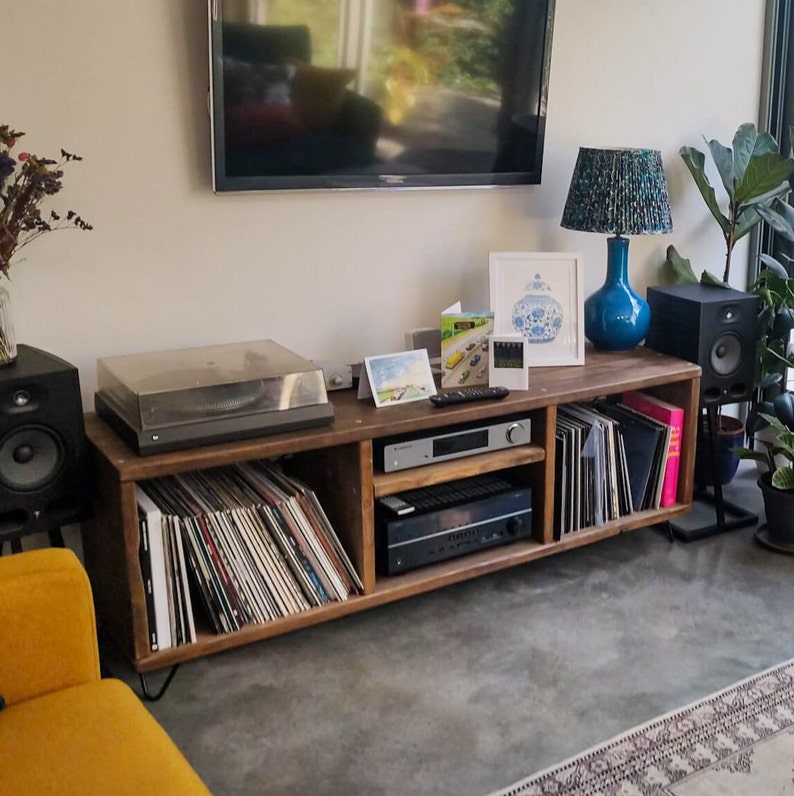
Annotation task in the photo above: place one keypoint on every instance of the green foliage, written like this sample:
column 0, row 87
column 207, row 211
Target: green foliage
column 776, row 321
column 695, row 161
column 775, row 290
column 684, row 274
column 782, row 445
column 783, row 478
column 755, row 178
column 465, row 41
column 456, row 45
column 471, row 59
column 680, row 267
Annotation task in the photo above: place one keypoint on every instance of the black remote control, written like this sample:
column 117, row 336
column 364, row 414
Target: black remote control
column 468, row 394
column 396, row 505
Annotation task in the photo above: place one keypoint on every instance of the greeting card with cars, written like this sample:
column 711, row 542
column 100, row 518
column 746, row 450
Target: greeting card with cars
column 464, row 346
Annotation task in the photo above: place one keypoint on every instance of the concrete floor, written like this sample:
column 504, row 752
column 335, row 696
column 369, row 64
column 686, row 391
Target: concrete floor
column 467, row 689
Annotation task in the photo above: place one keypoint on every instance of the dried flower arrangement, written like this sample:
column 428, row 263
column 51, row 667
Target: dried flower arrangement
column 22, row 190
column 24, row 184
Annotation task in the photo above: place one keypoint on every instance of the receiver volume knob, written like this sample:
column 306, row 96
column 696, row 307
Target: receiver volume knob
column 512, row 433
column 514, row 525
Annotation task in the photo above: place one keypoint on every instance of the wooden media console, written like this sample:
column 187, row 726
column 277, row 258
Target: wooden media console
column 337, row 462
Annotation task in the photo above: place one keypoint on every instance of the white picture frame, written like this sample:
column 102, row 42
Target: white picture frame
column 544, row 287
column 400, row 378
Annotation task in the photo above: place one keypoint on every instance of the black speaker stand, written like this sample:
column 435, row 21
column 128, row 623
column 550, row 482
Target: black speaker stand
column 711, row 513
column 14, row 539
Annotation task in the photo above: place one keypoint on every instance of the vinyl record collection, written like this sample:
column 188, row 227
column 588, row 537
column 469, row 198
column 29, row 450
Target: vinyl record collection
column 612, row 460
column 248, row 541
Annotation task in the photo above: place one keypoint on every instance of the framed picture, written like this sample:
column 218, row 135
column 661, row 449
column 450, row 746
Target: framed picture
column 400, row 378
column 507, row 363
column 539, row 295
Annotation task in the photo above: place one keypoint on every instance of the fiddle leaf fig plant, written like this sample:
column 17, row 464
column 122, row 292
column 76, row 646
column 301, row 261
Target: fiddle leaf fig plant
column 755, row 178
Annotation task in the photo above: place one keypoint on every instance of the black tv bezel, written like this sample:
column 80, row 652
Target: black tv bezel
column 224, row 184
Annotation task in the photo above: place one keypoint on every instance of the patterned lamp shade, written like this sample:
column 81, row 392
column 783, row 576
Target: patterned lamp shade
column 618, row 191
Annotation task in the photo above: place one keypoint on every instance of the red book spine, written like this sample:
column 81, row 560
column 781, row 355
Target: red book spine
column 672, row 416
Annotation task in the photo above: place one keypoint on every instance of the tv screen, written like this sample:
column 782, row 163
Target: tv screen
column 378, row 93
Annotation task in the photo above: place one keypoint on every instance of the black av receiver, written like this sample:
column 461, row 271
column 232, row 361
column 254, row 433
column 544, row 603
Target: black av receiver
column 431, row 524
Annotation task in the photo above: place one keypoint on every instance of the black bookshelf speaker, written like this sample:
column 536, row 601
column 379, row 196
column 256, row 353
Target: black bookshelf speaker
column 45, row 472
column 714, row 327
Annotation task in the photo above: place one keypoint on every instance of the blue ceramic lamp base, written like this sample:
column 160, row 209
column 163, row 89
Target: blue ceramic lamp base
column 615, row 317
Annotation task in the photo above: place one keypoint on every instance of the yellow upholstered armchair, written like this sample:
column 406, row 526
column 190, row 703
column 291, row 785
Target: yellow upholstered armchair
column 63, row 730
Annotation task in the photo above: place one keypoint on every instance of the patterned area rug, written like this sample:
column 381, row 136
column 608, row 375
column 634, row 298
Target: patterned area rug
column 737, row 741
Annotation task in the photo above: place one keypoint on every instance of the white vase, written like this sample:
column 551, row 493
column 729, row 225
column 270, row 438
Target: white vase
column 8, row 338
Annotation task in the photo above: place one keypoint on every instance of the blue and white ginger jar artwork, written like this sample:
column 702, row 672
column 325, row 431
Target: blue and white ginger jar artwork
column 538, row 315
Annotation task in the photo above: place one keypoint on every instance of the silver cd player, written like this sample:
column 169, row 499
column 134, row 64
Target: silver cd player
column 400, row 453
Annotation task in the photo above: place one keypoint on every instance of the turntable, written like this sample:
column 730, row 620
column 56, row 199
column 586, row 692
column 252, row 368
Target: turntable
column 172, row 400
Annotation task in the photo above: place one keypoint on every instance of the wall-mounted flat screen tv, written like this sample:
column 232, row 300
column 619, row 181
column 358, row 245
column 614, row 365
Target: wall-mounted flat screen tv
column 378, row 93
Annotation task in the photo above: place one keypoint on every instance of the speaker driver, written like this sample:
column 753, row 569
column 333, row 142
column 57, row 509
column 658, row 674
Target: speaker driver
column 726, row 354
column 30, row 457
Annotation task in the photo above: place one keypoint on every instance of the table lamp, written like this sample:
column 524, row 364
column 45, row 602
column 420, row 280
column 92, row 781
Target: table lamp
column 619, row 192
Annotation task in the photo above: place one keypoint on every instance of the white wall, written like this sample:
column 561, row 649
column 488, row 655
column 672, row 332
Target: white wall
column 329, row 275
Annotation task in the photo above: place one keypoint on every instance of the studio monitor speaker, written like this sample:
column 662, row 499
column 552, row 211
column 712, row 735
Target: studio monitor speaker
column 714, row 327
column 45, row 479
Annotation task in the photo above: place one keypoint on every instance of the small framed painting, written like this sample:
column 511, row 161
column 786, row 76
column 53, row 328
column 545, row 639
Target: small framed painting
column 400, row 378
column 507, row 361
column 539, row 296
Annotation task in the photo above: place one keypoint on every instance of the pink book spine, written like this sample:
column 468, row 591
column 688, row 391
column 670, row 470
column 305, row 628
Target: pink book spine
column 673, row 416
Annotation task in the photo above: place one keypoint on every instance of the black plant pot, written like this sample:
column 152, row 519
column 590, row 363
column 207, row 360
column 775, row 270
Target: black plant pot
column 779, row 508
column 730, row 434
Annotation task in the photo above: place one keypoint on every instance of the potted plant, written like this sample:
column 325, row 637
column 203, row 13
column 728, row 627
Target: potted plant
column 756, row 178
column 777, row 484
column 775, row 289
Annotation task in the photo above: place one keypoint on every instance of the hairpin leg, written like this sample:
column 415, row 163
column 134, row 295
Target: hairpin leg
column 147, row 695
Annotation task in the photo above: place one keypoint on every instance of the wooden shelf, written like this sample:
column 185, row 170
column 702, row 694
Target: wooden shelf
column 389, row 483
column 337, row 462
